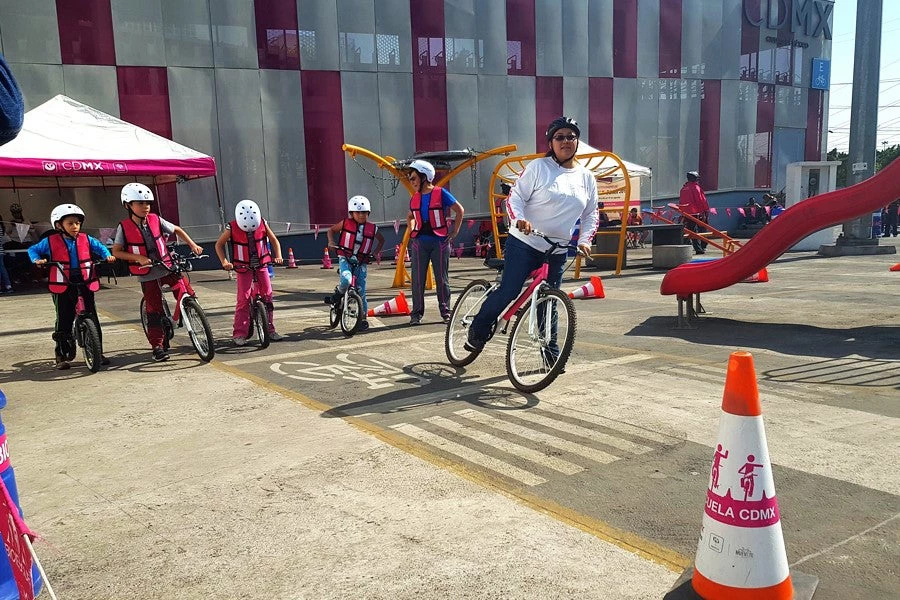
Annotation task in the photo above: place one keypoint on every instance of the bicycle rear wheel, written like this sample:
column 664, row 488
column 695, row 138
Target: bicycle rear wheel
column 261, row 323
column 467, row 305
column 90, row 338
column 537, row 352
column 352, row 313
column 200, row 332
column 144, row 315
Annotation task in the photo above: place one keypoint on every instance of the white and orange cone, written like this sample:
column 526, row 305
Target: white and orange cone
column 741, row 553
column 395, row 307
column 895, row 267
column 326, row 259
column 292, row 264
column 593, row 289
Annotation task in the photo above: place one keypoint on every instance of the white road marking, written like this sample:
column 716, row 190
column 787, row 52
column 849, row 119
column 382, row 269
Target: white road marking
column 578, row 430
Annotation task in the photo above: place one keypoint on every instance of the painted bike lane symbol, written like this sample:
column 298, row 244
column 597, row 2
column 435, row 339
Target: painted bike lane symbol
column 374, row 373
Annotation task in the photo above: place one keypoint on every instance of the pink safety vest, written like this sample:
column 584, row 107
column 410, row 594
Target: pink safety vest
column 437, row 215
column 59, row 252
column 347, row 240
column 134, row 243
column 240, row 245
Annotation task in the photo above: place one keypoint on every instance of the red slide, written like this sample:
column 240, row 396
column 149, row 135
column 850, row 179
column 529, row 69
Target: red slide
column 791, row 226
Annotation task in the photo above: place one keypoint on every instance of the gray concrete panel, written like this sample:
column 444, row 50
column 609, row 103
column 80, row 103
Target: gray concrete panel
column 625, row 114
column 393, row 35
column 647, row 129
column 362, row 128
column 234, row 34
column 575, row 102
column 730, row 50
column 187, row 33
column 138, row 32
column 94, row 85
column 548, row 25
column 791, row 107
column 318, row 23
column 285, row 147
column 462, row 128
column 398, row 138
column 648, row 38
column 356, row 35
column 493, row 131
column 600, row 38
column 766, row 55
column 39, row 83
column 240, row 134
column 576, row 39
column 746, row 106
column 521, row 113
column 490, row 31
column 701, row 24
column 462, row 48
column 30, row 32
column 195, row 123
column 728, row 136
column 689, row 128
column 667, row 174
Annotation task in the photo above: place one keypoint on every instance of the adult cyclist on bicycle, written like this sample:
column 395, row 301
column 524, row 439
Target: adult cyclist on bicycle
column 551, row 195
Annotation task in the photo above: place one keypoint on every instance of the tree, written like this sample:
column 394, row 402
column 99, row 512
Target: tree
column 843, row 157
column 884, row 157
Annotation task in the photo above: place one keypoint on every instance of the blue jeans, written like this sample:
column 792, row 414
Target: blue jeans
column 520, row 260
column 5, row 283
column 346, row 275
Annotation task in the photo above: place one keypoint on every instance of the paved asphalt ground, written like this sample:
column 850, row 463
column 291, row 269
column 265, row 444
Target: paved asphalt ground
column 327, row 467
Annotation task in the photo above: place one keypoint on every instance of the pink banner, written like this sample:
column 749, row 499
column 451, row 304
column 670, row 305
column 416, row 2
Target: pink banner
column 48, row 167
column 316, row 235
column 728, row 211
column 471, row 223
column 741, row 210
column 396, row 226
column 12, row 528
column 713, row 211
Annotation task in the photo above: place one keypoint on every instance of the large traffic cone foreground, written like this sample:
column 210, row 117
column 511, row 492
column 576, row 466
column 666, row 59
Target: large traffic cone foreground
column 594, row 289
column 292, row 264
column 741, row 554
column 397, row 306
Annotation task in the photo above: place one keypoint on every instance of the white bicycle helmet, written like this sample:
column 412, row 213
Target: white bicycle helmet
column 359, row 204
column 247, row 215
column 424, row 168
column 65, row 210
column 136, row 192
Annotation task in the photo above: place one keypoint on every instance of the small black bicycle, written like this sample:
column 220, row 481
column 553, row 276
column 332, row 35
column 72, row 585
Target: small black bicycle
column 84, row 328
column 348, row 310
column 259, row 311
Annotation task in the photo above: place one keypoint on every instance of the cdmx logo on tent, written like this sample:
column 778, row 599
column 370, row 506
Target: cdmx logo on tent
column 82, row 166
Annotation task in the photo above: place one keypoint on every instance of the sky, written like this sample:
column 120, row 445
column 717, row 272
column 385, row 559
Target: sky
column 842, row 46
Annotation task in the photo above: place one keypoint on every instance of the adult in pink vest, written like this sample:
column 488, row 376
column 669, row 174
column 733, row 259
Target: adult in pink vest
column 692, row 200
column 74, row 250
column 430, row 237
column 251, row 237
column 141, row 239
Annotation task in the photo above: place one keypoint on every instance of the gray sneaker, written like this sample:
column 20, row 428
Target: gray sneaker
column 239, row 341
column 415, row 321
column 275, row 336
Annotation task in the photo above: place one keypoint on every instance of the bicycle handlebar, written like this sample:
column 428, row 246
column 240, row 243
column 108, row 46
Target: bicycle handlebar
column 62, row 269
column 554, row 245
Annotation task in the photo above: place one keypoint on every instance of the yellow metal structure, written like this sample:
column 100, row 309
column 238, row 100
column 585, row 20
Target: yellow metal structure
column 401, row 276
column 612, row 179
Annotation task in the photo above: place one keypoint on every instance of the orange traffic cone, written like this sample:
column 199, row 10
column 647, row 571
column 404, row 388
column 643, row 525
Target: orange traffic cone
column 760, row 277
column 397, row 306
column 292, row 264
column 326, row 259
column 741, row 553
column 594, row 289
column 896, row 267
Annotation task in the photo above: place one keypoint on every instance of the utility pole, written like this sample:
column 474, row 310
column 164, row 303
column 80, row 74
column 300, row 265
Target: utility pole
column 856, row 237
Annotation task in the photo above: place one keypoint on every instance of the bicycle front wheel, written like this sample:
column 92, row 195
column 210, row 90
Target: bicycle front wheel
column 87, row 332
column 200, row 332
column 261, row 323
column 352, row 313
column 467, row 306
column 539, row 346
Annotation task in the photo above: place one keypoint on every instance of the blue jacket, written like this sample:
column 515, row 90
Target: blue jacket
column 42, row 250
column 12, row 107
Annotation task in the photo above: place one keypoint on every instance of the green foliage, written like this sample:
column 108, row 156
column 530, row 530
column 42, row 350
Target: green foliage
column 842, row 170
column 885, row 156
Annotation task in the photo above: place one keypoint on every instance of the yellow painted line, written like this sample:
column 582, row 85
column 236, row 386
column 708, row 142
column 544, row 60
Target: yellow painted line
column 672, row 560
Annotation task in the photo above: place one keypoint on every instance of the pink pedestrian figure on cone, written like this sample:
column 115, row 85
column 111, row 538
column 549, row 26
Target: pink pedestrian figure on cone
column 717, row 460
column 749, row 477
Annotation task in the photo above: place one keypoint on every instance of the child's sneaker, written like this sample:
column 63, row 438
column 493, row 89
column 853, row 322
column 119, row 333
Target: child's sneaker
column 159, row 354
column 363, row 325
column 239, row 341
column 275, row 336
column 61, row 363
column 104, row 360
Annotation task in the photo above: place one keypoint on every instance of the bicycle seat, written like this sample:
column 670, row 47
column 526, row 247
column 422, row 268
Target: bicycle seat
column 495, row 263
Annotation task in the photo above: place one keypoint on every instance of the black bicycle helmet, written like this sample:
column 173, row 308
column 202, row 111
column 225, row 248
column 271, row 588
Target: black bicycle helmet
column 562, row 123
